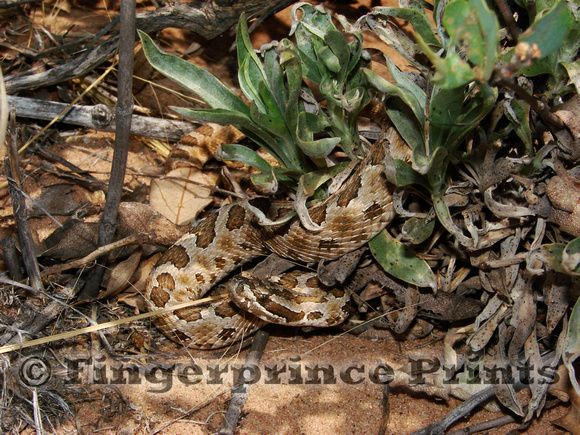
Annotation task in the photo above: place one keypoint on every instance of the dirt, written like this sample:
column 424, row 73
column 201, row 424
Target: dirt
column 188, row 396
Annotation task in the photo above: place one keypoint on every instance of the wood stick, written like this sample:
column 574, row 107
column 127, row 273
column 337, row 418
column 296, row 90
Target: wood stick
column 208, row 19
column 124, row 110
column 241, row 389
column 27, row 245
column 100, row 117
column 6, row 4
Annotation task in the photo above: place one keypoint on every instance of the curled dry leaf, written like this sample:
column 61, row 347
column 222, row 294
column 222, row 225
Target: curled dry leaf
column 569, row 114
column 505, row 210
column 181, row 197
column 132, row 296
column 80, row 239
column 487, row 322
column 339, row 270
column 564, row 390
column 135, row 217
column 55, row 199
column 121, row 275
column 77, row 242
column 557, row 297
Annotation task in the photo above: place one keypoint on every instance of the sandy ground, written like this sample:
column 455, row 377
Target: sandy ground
column 189, row 396
column 304, row 384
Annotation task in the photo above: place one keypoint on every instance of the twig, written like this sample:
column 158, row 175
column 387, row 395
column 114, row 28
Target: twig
column 536, row 105
column 6, row 4
column 124, row 110
column 208, row 19
column 386, row 410
column 99, row 117
column 31, row 325
column 470, row 404
column 55, row 119
column 36, row 412
column 3, row 112
column 98, row 327
column 495, row 423
column 91, row 257
column 27, row 245
column 11, row 258
column 461, row 411
column 78, row 67
column 508, row 17
column 486, row 425
column 240, row 391
column 186, row 414
column 91, row 182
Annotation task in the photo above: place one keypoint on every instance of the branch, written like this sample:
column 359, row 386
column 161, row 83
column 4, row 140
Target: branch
column 208, row 19
column 99, row 117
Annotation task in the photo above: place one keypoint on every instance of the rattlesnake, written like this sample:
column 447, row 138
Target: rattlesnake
column 232, row 236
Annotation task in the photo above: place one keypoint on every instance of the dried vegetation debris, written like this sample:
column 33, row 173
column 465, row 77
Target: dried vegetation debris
column 504, row 207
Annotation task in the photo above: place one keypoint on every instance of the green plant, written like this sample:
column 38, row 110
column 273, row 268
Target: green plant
column 283, row 116
column 435, row 122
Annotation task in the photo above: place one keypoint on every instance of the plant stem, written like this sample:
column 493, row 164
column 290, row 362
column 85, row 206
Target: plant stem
column 124, row 110
column 536, row 105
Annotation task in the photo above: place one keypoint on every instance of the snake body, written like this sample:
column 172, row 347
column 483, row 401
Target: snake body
column 232, row 236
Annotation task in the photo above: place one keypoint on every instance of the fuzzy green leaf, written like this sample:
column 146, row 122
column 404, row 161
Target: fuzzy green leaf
column 241, row 153
column 473, row 25
column 415, row 17
column 550, row 30
column 192, row 77
column 401, row 262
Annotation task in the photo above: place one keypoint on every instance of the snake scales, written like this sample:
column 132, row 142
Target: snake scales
column 232, row 236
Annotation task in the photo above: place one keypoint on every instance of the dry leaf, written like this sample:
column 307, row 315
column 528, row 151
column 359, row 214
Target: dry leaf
column 135, row 217
column 79, row 241
column 143, row 271
column 55, row 199
column 181, row 201
column 121, row 275
column 564, row 390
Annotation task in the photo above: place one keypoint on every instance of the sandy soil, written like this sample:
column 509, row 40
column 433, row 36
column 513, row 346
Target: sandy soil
column 193, row 398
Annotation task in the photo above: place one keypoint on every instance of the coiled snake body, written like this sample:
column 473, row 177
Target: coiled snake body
column 232, row 236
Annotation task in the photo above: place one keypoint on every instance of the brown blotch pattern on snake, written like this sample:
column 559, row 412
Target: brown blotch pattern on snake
column 188, row 314
column 176, row 255
column 220, row 262
column 378, row 155
column 318, row 215
column 328, row 244
column 179, row 336
column 278, row 310
column 336, row 292
column 312, row 282
column 166, row 281
column 349, row 193
column 373, row 211
column 226, row 333
column 288, row 281
column 205, row 231
column 314, row 315
column 236, row 217
column 226, row 309
column 159, row 297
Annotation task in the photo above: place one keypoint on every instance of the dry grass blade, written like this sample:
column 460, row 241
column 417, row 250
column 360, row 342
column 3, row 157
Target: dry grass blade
column 101, row 326
column 3, row 113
